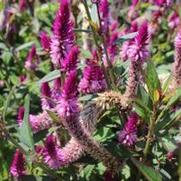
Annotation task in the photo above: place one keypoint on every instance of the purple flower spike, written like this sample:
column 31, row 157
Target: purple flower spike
column 52, row 154
column 71, row 60
column 128, row 135
column 17, row 168
column 22, row 5
column 45, row 41
column 46, row 96
column 39, row 122
column 177, row 62
column 63, row 35
column 56, row 90
column 173, row 20
column 93, row 80
column 138, row 50
column 67, row 104
column 20, row 116
column 135, row 2
column 32, row 59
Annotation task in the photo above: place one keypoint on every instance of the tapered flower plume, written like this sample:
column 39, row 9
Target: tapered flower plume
column 173, row 20
column 71, row 60
column 56, row 89
column 40, row 122
column 128, row 135
column 177, row 63
column 32, row 59
column 22, row 5
column 45, row 41
column 67, row 103
column 20, row 115
column 93, row 80
column 17, row 168
column 52, row 154
column 46, row 101
column 63, row 36
column 104, row 10
column 138, row 50
column 125, row 47
column 166, row 3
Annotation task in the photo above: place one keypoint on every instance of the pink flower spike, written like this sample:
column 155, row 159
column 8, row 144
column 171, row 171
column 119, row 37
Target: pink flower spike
column 138, row 50
column 63, row 35
column 32, row 59
column 70, row 63
column 20, row 115
column 46, row 102
column 45, row 41
column 52, row 154
column 93, row 80
column 67, row 103
column 128, row 135
column 17, row 168
column 173, row 20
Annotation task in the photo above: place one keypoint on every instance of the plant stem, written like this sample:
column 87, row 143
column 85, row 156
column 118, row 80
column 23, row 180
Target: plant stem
column 150, row 132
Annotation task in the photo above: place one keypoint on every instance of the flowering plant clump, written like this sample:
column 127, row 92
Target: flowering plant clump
column 90, row 90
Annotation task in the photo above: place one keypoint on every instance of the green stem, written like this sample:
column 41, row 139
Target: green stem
column 150, row 133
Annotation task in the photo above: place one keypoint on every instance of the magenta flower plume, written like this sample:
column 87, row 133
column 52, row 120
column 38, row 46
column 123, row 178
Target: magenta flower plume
column 173, row 20
column 39, row 122
column 67, row 103
column 128, row 135
column 63, row 36
column 45, row 41
column 112, row 47
column 165, row 3
column 20, row 115
column 138, row 50
column 93, row 80
column 177, row 62
column 134, row 2
column 22, row 5
column 125, row 47
column 52, row 154
column 32, row 59
column 17, row 168
column 70, row 63
column 46, row 101
column 56, row 89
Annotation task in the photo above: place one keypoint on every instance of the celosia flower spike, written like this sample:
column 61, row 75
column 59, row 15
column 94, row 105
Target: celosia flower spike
column 93, row 80
column 45, row 41
column 17, row 168
column 138, row 50
column 32, row 59
column 128, row 135
column 70, row 63
column 52, row 154
column 46, row 101
column 63, row 36
column 20, row 115
column 177, row 62
column 67, row 103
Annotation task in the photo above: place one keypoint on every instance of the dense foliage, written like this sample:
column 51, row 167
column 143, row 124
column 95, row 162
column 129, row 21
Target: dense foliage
column 90, row 90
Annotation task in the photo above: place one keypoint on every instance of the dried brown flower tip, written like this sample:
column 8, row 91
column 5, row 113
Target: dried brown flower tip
column 109, row 99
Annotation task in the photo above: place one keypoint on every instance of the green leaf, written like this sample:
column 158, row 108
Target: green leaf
column 126, row 37
column 25, row 46
column 25, row 132
column 175, row 97
column 50, row 76
column 53, row 116
column 153, row 82
column 149, row 173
